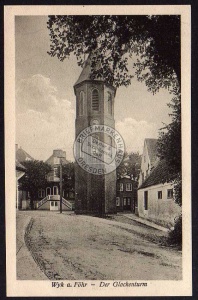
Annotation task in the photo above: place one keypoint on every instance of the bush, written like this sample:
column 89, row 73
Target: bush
column 175, row 235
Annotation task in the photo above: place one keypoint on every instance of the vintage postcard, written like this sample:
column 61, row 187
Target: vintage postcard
column 98, row 150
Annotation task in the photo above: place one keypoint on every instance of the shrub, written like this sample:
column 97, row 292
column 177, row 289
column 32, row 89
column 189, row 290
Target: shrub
column 175, row 235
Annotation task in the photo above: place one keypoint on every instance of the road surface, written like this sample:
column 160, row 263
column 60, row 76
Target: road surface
column 75, row 247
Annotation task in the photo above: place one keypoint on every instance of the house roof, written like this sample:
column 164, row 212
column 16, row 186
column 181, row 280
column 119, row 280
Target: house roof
column 126, row 178
column 157, row 175
column 19, row 166
column 22, row 155
column 50, row 160
column 152, row 149
column 56, row 154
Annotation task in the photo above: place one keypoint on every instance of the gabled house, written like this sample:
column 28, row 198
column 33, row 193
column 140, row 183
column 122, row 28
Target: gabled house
column 155, row 197
column 49, row 197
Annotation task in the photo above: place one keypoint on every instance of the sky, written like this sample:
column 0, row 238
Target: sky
column 45, row 100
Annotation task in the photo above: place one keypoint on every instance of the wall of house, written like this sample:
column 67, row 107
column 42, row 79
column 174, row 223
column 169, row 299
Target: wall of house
column 45, row 206
column 145, row 165
column 162, row 211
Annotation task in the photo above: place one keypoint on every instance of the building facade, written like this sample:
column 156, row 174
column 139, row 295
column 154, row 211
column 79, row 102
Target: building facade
column 126, row 195
column 49, row 197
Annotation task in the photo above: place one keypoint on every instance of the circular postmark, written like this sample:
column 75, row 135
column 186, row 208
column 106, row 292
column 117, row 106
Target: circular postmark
column 99, row 149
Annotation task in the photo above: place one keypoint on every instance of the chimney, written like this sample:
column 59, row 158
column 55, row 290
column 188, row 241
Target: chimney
column 58, row 153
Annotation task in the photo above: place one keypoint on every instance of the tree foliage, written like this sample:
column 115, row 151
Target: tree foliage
column 113, row 40
column 130, row 166
column 34, row 178
column 68, row 177
column 169, row 146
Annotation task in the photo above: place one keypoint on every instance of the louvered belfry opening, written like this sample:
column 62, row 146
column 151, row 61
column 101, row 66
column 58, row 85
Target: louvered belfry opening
column 95, row 100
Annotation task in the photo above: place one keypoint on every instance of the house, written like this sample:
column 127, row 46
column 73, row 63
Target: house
column 49, row 197
column 20, row 172
column 126, row 195
column 22, row 196
column 155, row 197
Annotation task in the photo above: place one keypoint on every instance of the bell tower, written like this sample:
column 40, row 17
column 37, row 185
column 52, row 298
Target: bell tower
column 95, row 193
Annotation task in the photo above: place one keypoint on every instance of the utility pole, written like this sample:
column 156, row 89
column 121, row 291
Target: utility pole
column 61, row 185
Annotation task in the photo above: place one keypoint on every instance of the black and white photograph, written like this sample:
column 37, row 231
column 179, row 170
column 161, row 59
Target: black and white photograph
column 97, row 126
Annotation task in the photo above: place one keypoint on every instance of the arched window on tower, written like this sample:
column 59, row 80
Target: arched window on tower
column 109, row 104
column 81, row 103
column 95, row 100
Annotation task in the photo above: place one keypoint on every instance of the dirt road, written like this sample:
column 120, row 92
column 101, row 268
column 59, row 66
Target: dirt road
column 71, row 247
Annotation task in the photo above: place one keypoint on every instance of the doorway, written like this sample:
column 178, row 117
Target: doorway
column 53, row 205
column 127, row 203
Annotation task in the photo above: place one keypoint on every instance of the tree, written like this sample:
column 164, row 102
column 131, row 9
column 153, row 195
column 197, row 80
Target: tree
column 34, row 178
column 169, row 146
column 113, row 40
column 68, row 177
column 130, row 166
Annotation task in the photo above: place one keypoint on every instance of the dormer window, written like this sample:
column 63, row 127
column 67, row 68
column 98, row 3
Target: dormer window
column 81, row 103
column 95, row 100
column 109, row 104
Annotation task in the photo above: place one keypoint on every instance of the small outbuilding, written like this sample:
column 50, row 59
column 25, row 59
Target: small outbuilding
column 155, row 196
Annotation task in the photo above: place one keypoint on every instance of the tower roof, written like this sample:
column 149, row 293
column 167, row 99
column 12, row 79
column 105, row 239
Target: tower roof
column 86, row 72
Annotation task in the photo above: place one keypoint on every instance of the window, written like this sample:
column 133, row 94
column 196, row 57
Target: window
column 159, row 193
column 55, row 190
column 56, row 203
column 146, row 200
column 121, row 187
column 117, row 201
column 48, row 191
column 56, row 172
column 128, row 201
column 81, row 103
column 41, row 193
column 128, row 186
column 95, row 100
column 109, row 105
column 170, row 194
column 52, row 203
column 124, row 203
